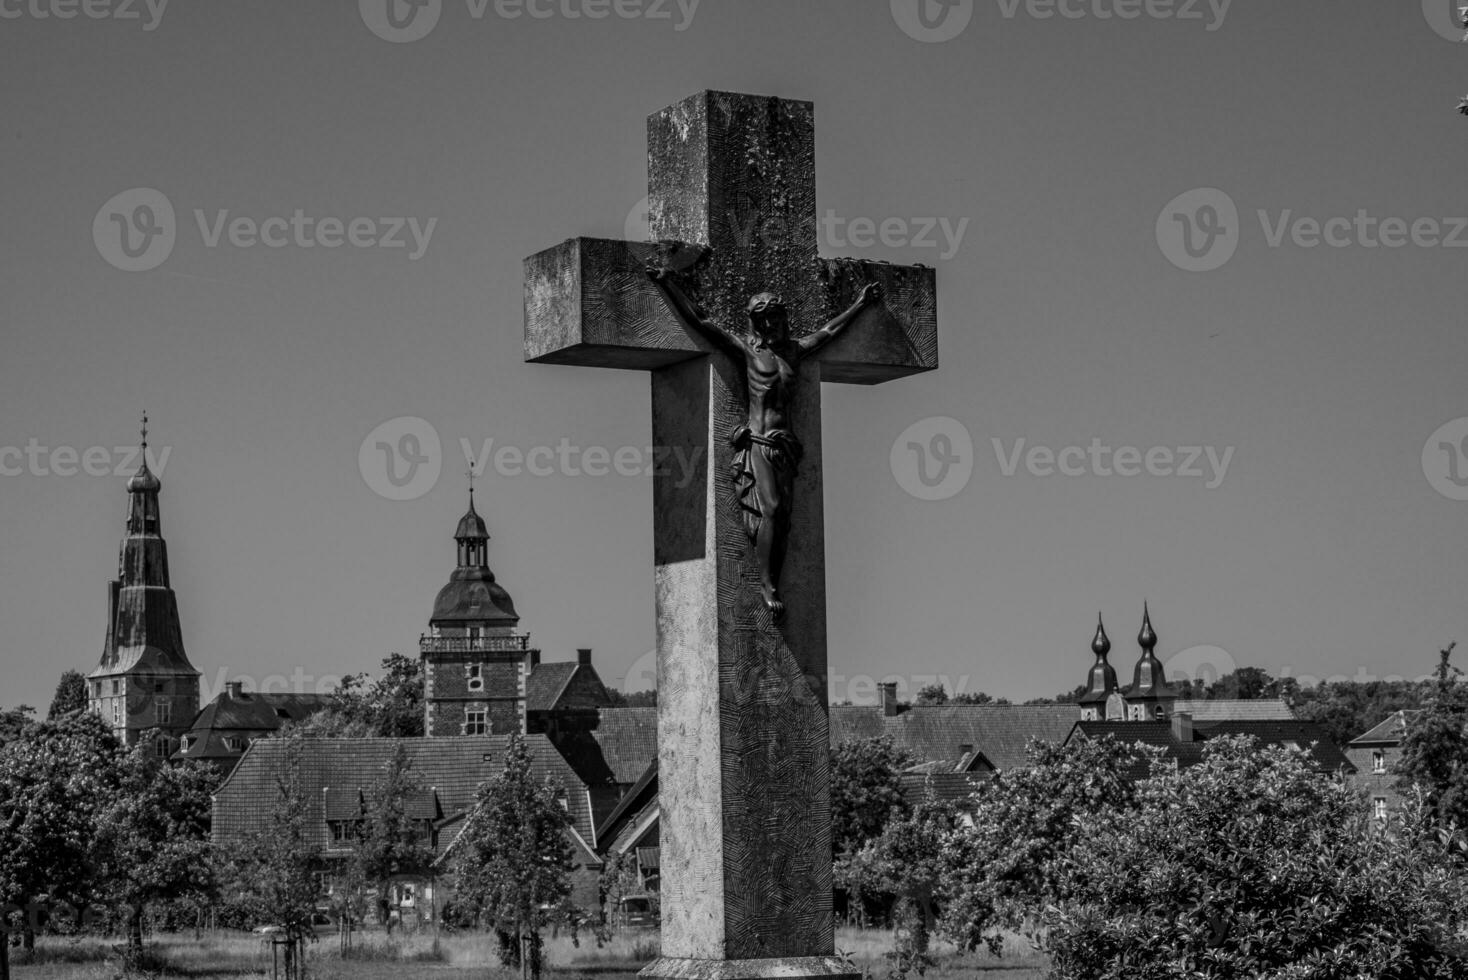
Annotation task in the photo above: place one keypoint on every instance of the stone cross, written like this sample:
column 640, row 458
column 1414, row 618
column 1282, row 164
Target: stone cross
column 743, row 740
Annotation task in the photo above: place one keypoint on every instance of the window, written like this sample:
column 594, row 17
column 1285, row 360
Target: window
column 343, row 831
column 157, row 687
column 234, row 743
column 1159, row 712
column 1378, row 761
column 474, row 632
column 97, row 689
column 184, row 743
column 161, row 748
column 116, row 712
column 117, row 687
column 1378, row 806
column 476, row 722
column 476, row 677
column 163, row 711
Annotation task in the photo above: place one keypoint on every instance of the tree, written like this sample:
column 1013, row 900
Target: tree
column 153, row 837
column 392, row 840
column 53, row 778
column 1435, row 747
column 14, row 721
column 931, row 694
column 71, row 695
column 512, row 861
column 866, row 790
column 271, row 872
column 1007, row 866
column 1252, row 864
column 906, row 863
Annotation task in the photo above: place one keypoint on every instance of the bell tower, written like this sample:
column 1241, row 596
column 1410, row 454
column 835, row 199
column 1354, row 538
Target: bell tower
column 475, row 660
column 145, row 681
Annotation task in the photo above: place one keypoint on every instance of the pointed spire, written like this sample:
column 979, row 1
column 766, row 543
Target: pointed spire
column 143, row 480
column 1101, row 644
column 1147, row 638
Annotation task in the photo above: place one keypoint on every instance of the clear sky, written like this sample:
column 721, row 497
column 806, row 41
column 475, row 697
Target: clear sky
column 1054, row 143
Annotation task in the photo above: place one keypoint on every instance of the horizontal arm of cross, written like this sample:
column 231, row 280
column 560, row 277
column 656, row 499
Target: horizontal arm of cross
column 589, row 302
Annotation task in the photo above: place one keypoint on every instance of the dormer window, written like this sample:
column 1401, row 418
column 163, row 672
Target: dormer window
column 234, row 743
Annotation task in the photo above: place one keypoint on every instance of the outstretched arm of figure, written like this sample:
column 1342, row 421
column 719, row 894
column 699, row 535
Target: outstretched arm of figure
column 687, row 311
column 871, row 295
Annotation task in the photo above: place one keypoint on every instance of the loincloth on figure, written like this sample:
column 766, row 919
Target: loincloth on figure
column 781, row 450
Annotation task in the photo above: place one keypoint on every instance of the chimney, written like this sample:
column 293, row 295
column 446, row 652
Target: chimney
column 966, row 748
column 583, row 657
column 235, row 690
column 534, row 660
column 1182, row 726
column 889, row 699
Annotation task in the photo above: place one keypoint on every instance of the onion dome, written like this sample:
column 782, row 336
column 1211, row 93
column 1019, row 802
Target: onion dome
column 1101, row 680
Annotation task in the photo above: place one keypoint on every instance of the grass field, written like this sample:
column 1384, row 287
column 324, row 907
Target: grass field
column 237, row 956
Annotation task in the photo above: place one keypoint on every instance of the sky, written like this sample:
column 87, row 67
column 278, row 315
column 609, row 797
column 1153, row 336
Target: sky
column 1201, row 329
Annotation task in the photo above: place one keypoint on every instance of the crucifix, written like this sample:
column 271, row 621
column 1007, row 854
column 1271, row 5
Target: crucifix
column 738, row 320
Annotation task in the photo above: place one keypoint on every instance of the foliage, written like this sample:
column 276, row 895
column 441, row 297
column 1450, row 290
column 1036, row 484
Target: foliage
column 391, row 841
column 637, row 699
column 1065, row 697
column 1346, row 709
column 619, row 879
column 1010, row 862
column 1435, row 747
column 905, row 862
column 938, row 694
column 1253, row 865
column 14, row 721
column 152, row 842
column 512, row 861
column 389, row 707
column 866, row 790
column 71, row 695
column 270, row 873
column 53, row 778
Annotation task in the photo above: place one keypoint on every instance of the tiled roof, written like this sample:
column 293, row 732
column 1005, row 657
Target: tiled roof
column 1307, row 735
column 950, row 786
column 545, row 683
column 1235, row 710
column 629, row 741
column 930, row 732
column 334, row 770
column 250, row 714
column 1390, row 731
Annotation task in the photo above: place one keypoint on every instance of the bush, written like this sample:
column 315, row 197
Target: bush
column 1253, row 865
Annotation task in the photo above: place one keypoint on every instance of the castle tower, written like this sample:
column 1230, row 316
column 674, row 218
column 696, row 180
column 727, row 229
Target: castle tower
column 1101, row 682
column 145, row 681
column 474, row 659
column 1150, row 697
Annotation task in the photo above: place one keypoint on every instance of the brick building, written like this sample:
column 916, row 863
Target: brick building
column 1375, row 755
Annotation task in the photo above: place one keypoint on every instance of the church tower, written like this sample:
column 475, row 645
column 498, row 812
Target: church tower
column 1150, row 698
column 1101, row 683
column 145, row 681
column 475, row 661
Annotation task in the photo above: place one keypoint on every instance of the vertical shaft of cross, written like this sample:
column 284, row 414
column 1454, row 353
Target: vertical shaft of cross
column 743, row 744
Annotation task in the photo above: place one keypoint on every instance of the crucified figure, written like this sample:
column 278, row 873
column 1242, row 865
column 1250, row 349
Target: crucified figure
column 766, row 450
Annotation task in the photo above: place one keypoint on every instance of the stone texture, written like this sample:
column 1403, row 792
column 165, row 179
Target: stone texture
column 742, row 715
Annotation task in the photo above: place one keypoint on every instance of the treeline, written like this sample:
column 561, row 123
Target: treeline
column 1249, row 864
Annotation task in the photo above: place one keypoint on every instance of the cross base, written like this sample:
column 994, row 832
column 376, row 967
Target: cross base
column 778, row 968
